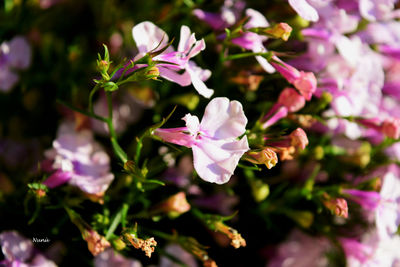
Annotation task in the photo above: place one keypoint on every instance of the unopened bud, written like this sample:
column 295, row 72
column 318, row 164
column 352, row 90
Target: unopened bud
column 391, row 128
column 174, row 205
column 280, row 30
column 259, row 190
column 266, row 156
column 153, row 73
column 337, row 206
column 299, row 138
column 118, row 244
column 291, row 99
column 103, row 65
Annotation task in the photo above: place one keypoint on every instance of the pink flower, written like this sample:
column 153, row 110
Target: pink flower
column 214, row 140
column 19, row 251
column 77, row 159
column 148, row 37
column 14, row 55
column 305, row 82
column 391, row 127
column 289, row 101
column 367, row 199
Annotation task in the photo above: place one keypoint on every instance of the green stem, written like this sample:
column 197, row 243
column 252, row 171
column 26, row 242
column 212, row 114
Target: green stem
column 84, row 112
column 113, row 135
column 243, row 55
column 94, row 90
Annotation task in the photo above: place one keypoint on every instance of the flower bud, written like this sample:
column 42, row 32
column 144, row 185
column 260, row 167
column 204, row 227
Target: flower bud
column 337, row 206
column 281, row 30
column 260, row 190
column 291, row 99
column 174, row 205
column 266, row 156
column 299, row 138
column 391, row 128
column 153, row 73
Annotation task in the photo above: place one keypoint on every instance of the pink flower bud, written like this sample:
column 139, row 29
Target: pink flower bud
column 299, row 138
column 292, row 100
column 391, row 128
column 176, row 203
column 305, row 82
column 337, row 206
column 266, row 156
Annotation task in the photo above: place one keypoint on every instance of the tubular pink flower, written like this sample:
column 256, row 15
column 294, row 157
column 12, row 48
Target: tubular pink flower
column 148, row 37
column 299, row 138
column 216, row 149
column 305, row 82
column 367, row 199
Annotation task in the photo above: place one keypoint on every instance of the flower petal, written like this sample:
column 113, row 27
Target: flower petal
column 304, row 9
column 223, row 119
column 148, row 36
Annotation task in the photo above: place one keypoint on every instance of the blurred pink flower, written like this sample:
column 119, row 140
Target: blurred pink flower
column 216, row 149
column 14, row 55
column 19, row 251
column 77, row 159
column 148, row 37
column 301, row 250
column 110, row 258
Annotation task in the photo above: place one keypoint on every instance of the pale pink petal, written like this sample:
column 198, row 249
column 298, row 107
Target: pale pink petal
column 192, row 123
column 256, row 19
column 186, row 40
column 197, row 48
column 198, row 84
column 170, row 75
column 262, row 60
column 148, row 36
column 175, row 136
column 304, row 9
column 7, row 79
column 216, row 160
column 223, row 119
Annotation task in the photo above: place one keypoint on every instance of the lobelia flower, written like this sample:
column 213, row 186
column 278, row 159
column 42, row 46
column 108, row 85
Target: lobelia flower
column 19, row 251
column 78, row 160
column 301, row 250
column 110, row 258
column 14, row 55
column 214, row 140
column 371, row 251
column 148, row 37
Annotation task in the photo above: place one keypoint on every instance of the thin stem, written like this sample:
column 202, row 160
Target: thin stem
column 243, row 55
column 94, row 90
column 84, row 112
column 113, row 135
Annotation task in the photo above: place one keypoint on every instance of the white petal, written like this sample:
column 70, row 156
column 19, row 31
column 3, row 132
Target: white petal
column 215, row 161
column 192, row 123
column 304, row 9
column 223, row 119
column 198, row 84
column 148, row 36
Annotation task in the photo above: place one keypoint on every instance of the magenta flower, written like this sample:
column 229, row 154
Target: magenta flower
column 19, row 251
column 369, row 200
column 77, row 159
column 14, row 55
column 214, row 140
column 148, row 37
